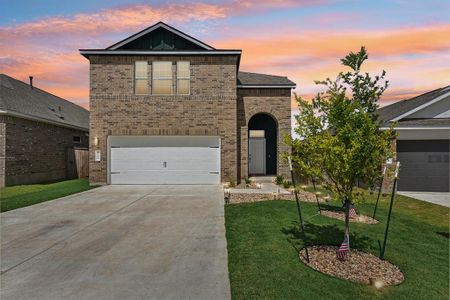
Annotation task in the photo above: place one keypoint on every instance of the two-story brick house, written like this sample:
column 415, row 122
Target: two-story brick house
column 166, row 108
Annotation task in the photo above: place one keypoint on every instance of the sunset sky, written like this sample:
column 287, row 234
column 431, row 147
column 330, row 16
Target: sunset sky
column 302, row 39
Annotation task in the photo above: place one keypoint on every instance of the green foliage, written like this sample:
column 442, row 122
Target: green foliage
column 279, row 180
column 287, row 184
column 340, row 137
column 232, row 183
column 247, row 180
column 18, row 196
column 263, row 238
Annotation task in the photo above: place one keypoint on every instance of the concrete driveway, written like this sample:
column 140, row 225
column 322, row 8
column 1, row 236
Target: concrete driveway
column 432, row 197
column 118, row 242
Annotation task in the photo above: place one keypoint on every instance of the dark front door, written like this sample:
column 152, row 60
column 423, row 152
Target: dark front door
column 257, row 156
column 263, row 122
column 424, row 165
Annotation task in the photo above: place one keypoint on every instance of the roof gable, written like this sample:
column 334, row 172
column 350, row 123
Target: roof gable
column 17, row 98
column 160, row 37
column 402, row 109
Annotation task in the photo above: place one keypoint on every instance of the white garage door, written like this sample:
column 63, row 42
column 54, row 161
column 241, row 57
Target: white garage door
column 164, row 160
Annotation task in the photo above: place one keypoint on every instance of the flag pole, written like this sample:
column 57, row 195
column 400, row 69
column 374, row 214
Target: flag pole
column 299, row 211
column 379, row 192
column 390, row 210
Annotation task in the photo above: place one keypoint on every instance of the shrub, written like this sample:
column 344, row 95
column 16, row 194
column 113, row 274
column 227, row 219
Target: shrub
column 247, row 180
column 232, row 183
column 279, row 180
column 287, row 184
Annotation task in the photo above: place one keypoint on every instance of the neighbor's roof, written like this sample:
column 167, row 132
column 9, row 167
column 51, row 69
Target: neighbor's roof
column 17, row 98
column 255, row 80
column 394, row 111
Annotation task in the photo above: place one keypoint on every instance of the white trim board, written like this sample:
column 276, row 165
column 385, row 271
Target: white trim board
column 139, row 52
column 410, row 112
column 154, row 27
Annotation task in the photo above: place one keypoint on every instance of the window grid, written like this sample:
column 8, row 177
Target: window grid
column 162, row 78
column 141, row 78
column 183, row 78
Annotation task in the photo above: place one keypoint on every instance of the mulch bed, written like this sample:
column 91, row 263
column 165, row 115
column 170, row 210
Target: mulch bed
column 360, row 267
column 340, row 215
column 247, row 186
column 243, row 198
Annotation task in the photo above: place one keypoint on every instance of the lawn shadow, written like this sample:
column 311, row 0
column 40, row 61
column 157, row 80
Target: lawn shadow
column 444, row 234
column 323, row 235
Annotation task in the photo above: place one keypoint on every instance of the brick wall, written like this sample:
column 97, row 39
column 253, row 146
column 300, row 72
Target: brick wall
column 2, row 150
column 210, row 109
column 274, row 102
column 35, row 151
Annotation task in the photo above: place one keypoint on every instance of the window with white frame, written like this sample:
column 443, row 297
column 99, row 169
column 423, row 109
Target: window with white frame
column 141, row 78
column 162, row 78
column 183, row 78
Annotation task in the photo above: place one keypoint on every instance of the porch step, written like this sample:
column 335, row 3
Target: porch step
column 262, row 179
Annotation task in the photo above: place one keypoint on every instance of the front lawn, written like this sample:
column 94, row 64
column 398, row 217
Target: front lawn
column 24, row 195
column 263, row 241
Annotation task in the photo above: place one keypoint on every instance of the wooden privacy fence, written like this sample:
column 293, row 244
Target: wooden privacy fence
column 77, row 163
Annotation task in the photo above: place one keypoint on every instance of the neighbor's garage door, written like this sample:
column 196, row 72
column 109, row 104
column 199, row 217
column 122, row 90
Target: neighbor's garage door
column 424, row 165
column 164, row 160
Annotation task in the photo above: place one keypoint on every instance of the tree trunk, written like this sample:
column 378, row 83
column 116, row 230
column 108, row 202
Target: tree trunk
column 347, row 208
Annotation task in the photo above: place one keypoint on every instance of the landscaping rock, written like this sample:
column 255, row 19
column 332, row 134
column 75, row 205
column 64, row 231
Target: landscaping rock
column 340, row 215
column 244, row 198
column 360, row 267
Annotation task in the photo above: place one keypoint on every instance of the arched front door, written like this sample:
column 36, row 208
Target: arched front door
column 262, row 145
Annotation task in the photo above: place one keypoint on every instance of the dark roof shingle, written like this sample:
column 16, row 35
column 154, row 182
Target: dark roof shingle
column 396, row 109
column 255, row 79
column 18, row 97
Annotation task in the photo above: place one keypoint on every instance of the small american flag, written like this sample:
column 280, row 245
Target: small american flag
column 343, row 249
column 352, row 212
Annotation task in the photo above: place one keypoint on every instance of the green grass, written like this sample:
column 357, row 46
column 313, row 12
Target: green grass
column 263, row 241
column 24, row 195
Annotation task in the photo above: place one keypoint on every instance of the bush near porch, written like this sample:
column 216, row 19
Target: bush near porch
column 263, row 243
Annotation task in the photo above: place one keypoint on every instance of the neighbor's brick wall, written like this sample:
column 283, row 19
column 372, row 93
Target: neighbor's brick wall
column 35, row 151
column 2, row 151
column 210, row 109
column 276, row 103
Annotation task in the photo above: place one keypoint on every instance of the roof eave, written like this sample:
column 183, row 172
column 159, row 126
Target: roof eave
column 266, row 86
column 43, row 120
column 88, row 52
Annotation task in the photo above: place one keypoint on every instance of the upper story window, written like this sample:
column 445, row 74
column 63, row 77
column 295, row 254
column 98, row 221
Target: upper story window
column 183, row 78
column 141, row 78
column 162, row 78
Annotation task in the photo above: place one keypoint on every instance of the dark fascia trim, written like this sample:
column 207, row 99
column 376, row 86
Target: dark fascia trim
column 154, row 27
column 43, row 120
column 268, row 86
column 88, row 52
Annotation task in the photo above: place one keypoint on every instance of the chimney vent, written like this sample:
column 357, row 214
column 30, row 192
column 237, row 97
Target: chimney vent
column 31, row 81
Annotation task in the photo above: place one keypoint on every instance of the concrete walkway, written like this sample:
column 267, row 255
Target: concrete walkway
column 118, row 242
column 267, row 187
column 432, row 197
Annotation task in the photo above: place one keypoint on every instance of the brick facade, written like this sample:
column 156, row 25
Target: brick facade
column 215, row 107
column 210, row 109
column 277, row 104
column 32, row 152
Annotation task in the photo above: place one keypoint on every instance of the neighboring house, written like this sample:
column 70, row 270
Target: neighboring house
column 423, row 133
column 36, row 129
column 167, row 108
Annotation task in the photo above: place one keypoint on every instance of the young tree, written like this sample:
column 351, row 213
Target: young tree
column 339, row 137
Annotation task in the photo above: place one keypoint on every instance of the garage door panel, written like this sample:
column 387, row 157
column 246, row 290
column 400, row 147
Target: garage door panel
column 424, row 165
column 165, row 165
